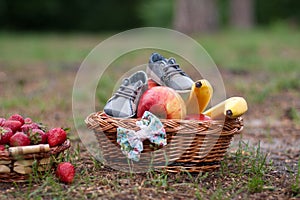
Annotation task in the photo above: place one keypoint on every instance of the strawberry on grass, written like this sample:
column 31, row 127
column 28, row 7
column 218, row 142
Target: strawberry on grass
column 65, row 172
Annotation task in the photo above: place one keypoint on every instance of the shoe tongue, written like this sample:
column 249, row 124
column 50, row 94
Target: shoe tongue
column 137, row 84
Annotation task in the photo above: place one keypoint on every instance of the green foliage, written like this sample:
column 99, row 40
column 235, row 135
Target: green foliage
column 270, row 11
column 156, row 13
column 67, row 15
column 99, row 15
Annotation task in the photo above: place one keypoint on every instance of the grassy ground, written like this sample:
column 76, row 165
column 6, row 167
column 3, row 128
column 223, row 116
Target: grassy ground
column 37, row 72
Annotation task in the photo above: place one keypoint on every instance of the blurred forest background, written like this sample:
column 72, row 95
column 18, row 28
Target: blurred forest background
column 115, row 15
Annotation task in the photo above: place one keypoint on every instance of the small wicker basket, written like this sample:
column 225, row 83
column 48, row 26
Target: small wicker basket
column 192, row 145
column 17, row 163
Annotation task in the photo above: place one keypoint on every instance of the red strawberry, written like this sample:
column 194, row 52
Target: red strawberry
column 56, row 136
column 28, row 120
column 2, row 120
column 14, row 125
column 2, row 147
column 37, row 136
column 65, row 172
column 19, row 139
column 17, row 117
column 5, row 135
column 28, row 127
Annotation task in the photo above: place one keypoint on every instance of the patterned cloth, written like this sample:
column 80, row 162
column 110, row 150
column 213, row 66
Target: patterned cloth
column 131, row 141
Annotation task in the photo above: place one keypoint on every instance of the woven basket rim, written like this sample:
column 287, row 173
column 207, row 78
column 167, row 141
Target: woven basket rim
column 212, row 124
column 6, row 155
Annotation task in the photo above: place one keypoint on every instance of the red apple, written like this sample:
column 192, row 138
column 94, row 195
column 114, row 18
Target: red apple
column 151, row 83
column 200, row 117
column 164, row 102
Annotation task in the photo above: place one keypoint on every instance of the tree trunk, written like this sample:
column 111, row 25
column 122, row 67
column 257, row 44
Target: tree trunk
column 193, row 16
column 241, row 13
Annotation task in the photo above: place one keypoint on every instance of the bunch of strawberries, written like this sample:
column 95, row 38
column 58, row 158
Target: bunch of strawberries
column 18, row 131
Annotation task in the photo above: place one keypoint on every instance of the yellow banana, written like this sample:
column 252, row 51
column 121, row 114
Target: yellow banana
column 200, row 95
column 232, row 107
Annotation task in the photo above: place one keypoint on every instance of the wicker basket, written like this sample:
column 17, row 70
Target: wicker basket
column 192, row 145
column 16, row 163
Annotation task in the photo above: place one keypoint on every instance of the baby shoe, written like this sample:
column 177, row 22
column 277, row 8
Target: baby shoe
column 167, row 72
column 124, row 102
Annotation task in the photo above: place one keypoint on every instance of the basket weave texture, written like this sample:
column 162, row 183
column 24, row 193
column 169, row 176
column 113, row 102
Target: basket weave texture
column 192, row 145
column 19, row 165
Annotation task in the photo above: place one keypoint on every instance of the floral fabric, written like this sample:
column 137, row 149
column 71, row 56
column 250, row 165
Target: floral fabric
column 131, row 141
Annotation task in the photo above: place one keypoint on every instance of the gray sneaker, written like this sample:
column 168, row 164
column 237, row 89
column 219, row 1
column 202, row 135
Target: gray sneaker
column 167, row 72
column 124, row 102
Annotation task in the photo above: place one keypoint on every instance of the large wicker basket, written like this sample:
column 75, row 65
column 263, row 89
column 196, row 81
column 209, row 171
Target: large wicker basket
column 17, row 163
column 192, row 145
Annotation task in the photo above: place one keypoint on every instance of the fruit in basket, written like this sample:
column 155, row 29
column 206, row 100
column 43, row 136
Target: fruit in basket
column 37, row 136
column 26, row 128
column 2, row 120
column 28, row 120
column 232, row 107
column 2, row 147
column 17, row 117
column 200, row 95
column 162, row 101
column 235, row 107
column 14, row 125
column 19, row 139
column 5, row 135
column 65, row 172
column 151, row 83
column 200, row 117
column 56, row 136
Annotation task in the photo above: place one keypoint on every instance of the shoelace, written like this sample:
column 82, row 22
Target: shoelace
column 127, row 92
column 175, row 69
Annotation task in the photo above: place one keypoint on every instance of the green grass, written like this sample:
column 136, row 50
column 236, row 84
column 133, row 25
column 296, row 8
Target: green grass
column 17, row 49
column 295, row 187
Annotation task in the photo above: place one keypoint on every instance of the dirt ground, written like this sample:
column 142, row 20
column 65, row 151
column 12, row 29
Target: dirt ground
column 268, row 123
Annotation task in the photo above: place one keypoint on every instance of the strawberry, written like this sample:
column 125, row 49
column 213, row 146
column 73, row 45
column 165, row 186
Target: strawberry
column 19, row 139
column 28, row 120
column 14, row 125
column 56, row 136
column 28, row 127
column 2, row 120
column 65, row 172
column 2, row 147
column 37, row 136
column 5, row 135
column 17, row 117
